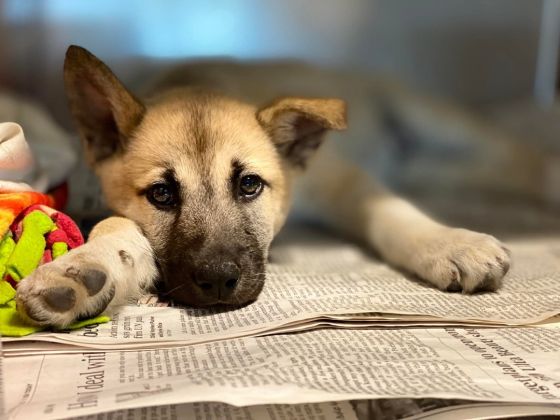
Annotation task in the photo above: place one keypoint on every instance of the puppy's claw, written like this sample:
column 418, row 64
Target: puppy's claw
column 478, row 262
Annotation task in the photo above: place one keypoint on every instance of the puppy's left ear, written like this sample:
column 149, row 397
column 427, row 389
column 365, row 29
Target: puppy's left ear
column 297, row 125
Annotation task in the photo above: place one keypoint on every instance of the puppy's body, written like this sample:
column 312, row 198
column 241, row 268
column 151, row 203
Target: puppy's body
column 204, row 173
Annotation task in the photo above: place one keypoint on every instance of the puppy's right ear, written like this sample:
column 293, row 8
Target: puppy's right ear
column 105, row 112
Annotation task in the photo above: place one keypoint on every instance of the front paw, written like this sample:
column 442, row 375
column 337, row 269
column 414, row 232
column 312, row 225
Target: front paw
column 64, row 291
column 462, row 260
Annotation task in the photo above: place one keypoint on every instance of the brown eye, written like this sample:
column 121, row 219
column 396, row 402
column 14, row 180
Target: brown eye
column 161, row 195
column 250, row 186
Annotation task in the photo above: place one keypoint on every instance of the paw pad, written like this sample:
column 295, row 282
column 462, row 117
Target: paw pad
column 92, row 279
column 59, row 299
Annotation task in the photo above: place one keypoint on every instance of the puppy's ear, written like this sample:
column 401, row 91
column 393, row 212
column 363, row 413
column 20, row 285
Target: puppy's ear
column 297, row 125
column 105, row 112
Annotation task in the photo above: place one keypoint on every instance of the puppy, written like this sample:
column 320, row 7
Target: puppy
column 201, row 182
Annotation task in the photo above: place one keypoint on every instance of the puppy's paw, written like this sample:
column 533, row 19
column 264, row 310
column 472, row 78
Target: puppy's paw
column 462, row 260
column 63, row 291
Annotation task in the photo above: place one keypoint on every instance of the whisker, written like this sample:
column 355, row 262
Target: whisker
column 172, row 290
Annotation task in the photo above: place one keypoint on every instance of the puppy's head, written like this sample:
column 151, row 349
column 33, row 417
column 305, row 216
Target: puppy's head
column 206, row 178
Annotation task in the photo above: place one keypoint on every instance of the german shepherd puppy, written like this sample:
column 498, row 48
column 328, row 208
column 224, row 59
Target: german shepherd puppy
column 202, row 181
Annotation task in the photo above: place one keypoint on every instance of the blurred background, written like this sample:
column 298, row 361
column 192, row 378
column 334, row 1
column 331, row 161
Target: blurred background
column 493, row 59
column 475, row 51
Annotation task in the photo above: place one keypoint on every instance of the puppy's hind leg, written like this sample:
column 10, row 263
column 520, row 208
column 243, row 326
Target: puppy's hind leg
column 452, row 259
column 114, row 266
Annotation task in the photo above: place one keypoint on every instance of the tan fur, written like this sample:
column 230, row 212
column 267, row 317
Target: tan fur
column 165, row 138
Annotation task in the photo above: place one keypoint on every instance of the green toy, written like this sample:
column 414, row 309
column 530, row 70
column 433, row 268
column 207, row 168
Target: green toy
column 17, row 261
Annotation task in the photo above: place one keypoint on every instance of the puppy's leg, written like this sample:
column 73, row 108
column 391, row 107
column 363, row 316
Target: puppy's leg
column 451, row 259
column 114, row 266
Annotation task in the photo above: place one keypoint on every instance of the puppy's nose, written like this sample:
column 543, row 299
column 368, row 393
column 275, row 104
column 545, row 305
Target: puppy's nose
column 218, row 280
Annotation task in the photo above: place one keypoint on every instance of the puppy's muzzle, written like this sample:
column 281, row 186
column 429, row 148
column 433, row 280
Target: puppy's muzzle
column 217, row 280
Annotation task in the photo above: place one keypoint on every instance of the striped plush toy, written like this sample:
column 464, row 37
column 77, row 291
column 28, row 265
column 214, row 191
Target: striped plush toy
column 32, row 232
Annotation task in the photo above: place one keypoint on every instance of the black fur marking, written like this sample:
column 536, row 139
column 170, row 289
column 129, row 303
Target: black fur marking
column 237, row 169
column 59, row 299
column 200, row 127
column 126, row 258
column 169, row 176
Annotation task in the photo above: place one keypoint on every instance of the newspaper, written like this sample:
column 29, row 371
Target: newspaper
column 444, row 409
column 487, row 411
column 383, row 409
column 321, row 279
column 30, row 348
column 516, row 365
column 216, row 411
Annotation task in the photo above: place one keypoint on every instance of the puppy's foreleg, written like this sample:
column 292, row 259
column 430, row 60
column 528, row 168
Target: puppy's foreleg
column 451, row 259
column 115, row 265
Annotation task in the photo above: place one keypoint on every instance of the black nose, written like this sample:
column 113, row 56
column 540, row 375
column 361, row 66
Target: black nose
column 217, row 280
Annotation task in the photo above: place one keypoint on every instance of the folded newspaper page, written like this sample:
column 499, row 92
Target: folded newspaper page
column 318, row 278
column 31, row 348
column 487, row 411
column 216, row 411
column 520, row 365
column 445, row 409
column 383, row 409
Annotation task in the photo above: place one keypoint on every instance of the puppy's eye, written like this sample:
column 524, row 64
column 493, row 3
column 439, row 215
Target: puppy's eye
column 162, row 195
column 250, row 186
